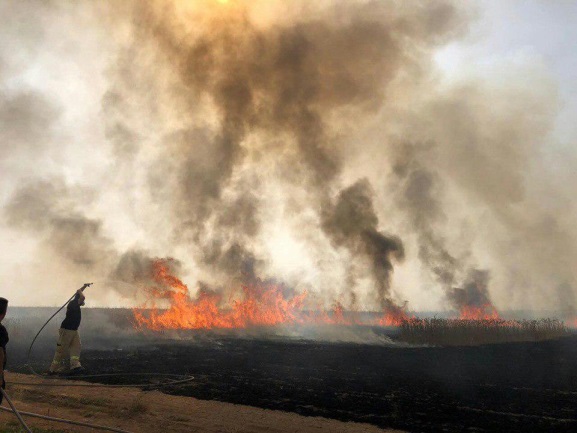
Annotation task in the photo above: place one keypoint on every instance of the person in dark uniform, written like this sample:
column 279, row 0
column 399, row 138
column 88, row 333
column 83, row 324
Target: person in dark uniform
column 68, row 346
column 3, row 342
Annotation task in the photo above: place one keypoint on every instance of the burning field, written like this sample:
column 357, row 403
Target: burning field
column 288, row 163
column 263, row 305
column 266, row 193
column 505, row 387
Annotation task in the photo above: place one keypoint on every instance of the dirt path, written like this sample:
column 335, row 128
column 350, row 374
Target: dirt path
column 151, row 411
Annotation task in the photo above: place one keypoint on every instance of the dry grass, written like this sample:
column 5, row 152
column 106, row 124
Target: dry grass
column 14, row 427
column 152, row 412
column 137, row 407
column 457, row 332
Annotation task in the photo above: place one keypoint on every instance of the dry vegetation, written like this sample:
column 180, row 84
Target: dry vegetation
column 14, row 427
column 458, row 332
column 151, row 411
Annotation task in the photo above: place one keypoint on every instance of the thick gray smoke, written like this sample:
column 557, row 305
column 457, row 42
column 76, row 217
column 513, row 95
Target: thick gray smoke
column 282, row 85
column 50, row 210
column 351, row 222
column 474, row 294
column 253, row 140
column 47, row 208
column 25, row 118
column 281, row 81
column 420, row 195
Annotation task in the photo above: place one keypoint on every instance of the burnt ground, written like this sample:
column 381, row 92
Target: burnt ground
column 503, row 387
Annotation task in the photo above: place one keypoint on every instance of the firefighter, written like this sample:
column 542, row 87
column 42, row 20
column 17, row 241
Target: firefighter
column 3, row 341
column 67, row 356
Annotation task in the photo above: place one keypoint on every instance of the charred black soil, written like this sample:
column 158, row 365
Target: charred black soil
column 502, row 387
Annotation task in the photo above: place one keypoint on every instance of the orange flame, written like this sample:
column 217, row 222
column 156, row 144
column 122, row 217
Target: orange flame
column 258, row 304
column 395, row 316
column 483, row 312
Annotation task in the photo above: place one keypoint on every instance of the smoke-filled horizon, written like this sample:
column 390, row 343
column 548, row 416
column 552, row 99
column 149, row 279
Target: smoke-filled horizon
column 324, row 147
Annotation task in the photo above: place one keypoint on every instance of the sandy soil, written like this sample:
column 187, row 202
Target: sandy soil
column 151, row 411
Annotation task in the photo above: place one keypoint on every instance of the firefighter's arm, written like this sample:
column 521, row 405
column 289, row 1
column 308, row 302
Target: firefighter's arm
column 80, row 298
column 1, row 365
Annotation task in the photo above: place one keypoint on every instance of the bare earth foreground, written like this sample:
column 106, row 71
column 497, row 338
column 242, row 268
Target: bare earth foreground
column 152, row 411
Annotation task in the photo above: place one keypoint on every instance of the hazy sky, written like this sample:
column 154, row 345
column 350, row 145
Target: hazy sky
column 524, row 31
column 62, row 66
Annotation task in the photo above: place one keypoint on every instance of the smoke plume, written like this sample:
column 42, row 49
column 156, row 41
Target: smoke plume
column 49, row 210
column 351, row 222
column 318, row 144
column 420, row 195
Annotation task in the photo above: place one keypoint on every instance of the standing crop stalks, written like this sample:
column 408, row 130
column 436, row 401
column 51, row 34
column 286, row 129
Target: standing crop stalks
column 458, row 332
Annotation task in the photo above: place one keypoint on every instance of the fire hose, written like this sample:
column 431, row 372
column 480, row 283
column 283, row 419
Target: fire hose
column 50, row 418
column 179, row 380
column 22, row 422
